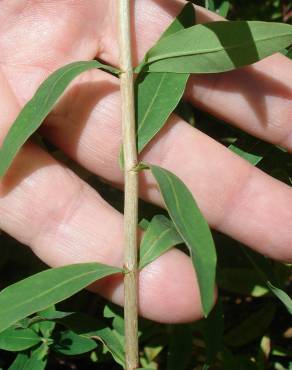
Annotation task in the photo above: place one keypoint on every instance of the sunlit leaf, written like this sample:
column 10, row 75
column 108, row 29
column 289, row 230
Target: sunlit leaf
column 46, row 288
column 36, row 110
column 13, row 339
column 158, row 94
column 217, row 47
column 193, row 229
column 160, row 236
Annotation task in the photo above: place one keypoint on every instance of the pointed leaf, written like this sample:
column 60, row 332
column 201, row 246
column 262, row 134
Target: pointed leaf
column 46, row 288
column 193, row 229
column 259, row 265
column 19, row 362
column 185, row 19
column 36, row 110
column 160, row 236
column 158, row 94
column 13, row 339
column 38, row 358
column 72, row 344
column 89, row 327
column 224, row 9
column 282, row 296
column 217, row 47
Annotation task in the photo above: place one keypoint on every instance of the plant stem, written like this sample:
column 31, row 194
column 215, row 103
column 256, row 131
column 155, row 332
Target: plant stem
column 131, row 189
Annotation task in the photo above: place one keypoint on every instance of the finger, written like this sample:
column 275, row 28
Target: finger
column 64, row 221
column 235, row 197
column 256, row 99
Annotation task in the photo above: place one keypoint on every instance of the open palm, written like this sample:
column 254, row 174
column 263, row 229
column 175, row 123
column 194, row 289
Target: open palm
column 46, row 206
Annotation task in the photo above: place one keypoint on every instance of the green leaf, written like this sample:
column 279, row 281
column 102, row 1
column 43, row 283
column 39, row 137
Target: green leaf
column 19, row 362
column 47, row 327
column 252, row 327
column 71, row 344
column 217, row 47
column 210, row 5
column 281, row 295
column 158, row 94
column 251, row 149
column 241, row 281
column 13, row 339
column 36, row 110
column 38, row 358
column 224, row 9
column 46, row 288
column 185, row 19
column 160, row 236
column 180, row 347
column 271, row 285
column 213, row 329
column 193, row 229
column 89, row 327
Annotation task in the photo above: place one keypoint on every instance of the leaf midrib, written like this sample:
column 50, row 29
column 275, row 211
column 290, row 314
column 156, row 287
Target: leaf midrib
column 210, row 51
column 48, row 291
column 141, row 125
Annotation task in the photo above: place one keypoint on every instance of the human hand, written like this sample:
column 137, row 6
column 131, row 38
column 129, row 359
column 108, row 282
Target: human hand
column 63, row 220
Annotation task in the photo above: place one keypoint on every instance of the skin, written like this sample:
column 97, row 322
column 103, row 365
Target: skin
column 47, row 207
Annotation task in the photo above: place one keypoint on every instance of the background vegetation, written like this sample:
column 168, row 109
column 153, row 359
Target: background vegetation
column 256, row 332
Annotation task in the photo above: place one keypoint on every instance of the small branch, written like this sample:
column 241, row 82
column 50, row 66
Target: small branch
column 131, row 189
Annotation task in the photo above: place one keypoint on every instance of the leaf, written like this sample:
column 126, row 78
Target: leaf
column 160, row 236
column 46, row 288
column 193, row 229
column 13, row 339
column 47, row 327
column 71, row 344
column 180, row 347
column 36, row 110
column 38, row 359
column 224, row 9
column 158, row 94
column 210, row 5
column 251, row 149
column 185, row 19
column 279, row 293
column 89, row 327
column 213, row 329
column 217, row 47
column 252, row 327
column 19, row 362
column 241, row 281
